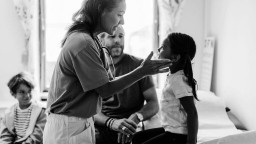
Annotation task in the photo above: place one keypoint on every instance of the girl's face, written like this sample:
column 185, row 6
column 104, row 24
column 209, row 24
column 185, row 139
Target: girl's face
column 111, row 19
column 23, row 95
column 164, row 52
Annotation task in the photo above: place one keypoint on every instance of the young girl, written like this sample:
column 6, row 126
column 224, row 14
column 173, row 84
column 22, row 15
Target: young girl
column 23, row 122
column 178, row 112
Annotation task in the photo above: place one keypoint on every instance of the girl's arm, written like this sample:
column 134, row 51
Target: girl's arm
column 192, row 118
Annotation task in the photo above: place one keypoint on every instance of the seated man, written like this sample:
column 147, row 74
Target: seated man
column 125, row 108
column 23, row 122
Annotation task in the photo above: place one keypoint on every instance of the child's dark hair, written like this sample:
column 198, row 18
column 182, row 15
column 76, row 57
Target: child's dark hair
column 185, row 46
column 21, row 78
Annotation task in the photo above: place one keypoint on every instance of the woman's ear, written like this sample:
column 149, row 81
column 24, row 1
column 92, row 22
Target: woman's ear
column 101, row 37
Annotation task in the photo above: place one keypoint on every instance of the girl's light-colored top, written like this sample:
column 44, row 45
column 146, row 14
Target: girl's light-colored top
column 173, row 115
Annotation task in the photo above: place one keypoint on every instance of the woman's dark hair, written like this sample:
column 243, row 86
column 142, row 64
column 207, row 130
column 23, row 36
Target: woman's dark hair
column 87, row 18
column 185, row 46
column 21, row 78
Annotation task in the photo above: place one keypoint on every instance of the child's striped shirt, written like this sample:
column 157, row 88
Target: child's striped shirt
column 21, row 120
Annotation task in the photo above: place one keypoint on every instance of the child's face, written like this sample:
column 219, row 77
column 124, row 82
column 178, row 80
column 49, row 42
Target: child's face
column 23, row 95
column 164, row 51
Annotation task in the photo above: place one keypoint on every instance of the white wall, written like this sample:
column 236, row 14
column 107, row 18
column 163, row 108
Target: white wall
column 233, row 23
column 11, row 48
column 192, row 23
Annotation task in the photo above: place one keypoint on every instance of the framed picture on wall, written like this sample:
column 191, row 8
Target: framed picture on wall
column 207, row 64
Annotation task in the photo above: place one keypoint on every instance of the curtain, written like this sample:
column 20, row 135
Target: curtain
column 25, row 11
column 169, row 16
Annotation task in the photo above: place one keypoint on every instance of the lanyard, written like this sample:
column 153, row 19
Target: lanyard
column 103, row 57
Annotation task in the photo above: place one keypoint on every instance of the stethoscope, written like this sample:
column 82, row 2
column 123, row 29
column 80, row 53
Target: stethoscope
column 107, row 65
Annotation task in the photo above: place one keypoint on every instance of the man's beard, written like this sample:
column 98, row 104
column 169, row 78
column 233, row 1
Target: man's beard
column 116, row 51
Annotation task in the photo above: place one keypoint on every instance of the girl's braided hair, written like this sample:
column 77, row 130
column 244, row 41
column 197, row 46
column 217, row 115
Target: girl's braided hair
column 185, row 46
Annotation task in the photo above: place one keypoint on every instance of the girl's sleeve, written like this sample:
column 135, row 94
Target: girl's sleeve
column 6, row 137
column 37, row 136
column 181, row 88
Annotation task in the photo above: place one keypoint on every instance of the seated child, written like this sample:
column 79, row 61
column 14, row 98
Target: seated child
column 179, row 117
column 24, row 121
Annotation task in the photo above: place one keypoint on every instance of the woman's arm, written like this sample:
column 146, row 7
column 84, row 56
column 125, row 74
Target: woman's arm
column 147, row 67
column 192, row 118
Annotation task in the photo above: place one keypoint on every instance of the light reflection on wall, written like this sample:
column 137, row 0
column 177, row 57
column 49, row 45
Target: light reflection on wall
column 139, row 27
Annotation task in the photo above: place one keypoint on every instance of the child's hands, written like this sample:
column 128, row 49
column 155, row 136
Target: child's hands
column 28, row 141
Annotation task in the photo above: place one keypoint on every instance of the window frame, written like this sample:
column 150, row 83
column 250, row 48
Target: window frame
column 42, row 41
column 42, row 47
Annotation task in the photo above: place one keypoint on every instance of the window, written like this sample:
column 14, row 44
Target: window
column 56, row 16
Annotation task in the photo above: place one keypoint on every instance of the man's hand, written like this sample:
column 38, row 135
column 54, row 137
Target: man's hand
column 124, row 126
column 124, row 138
column 134, row 118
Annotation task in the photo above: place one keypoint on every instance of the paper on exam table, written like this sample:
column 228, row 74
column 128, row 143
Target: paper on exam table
column 213, row 119
column 248, row 137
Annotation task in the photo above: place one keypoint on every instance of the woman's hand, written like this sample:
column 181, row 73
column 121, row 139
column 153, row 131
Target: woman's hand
column 151, row 67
